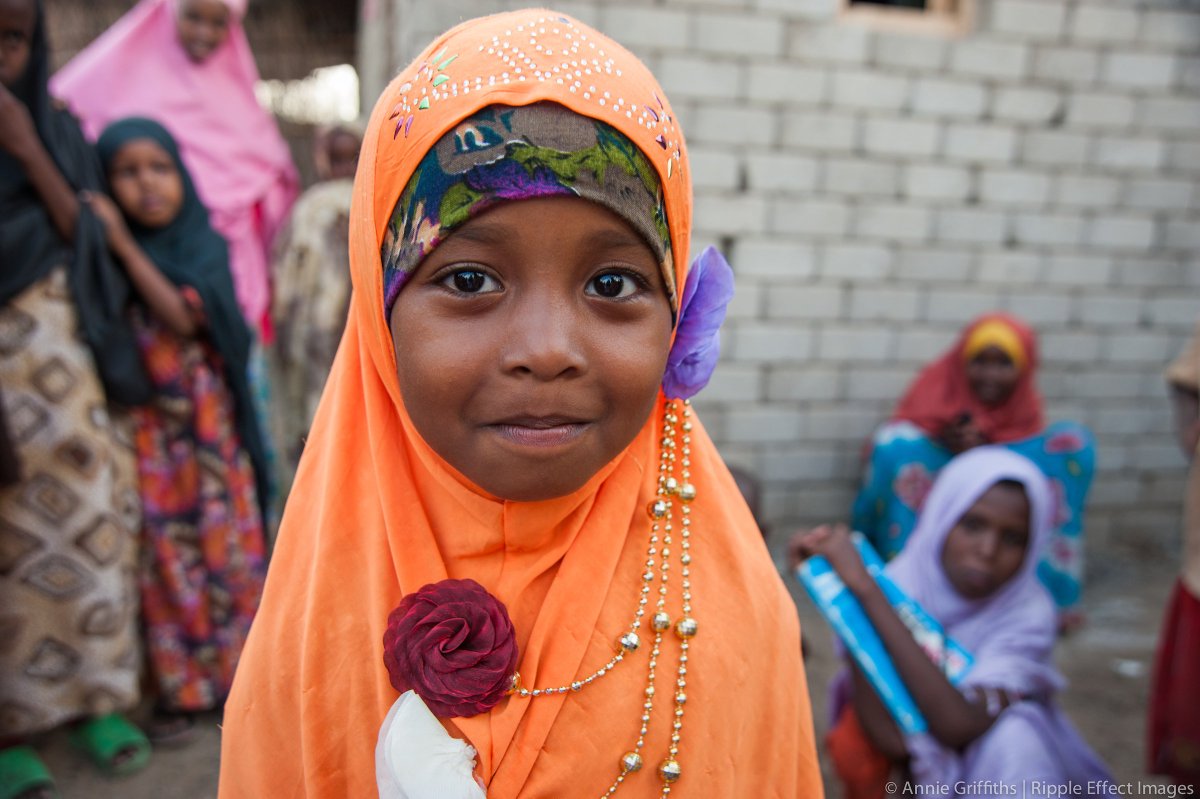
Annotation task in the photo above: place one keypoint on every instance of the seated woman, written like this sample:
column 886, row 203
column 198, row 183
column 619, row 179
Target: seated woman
column 971, row 564
column 981, row 391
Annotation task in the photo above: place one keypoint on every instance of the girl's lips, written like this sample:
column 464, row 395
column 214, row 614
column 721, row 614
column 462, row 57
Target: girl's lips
column 533, row 434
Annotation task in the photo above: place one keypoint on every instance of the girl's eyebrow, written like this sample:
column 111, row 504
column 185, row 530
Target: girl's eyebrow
column 484, row 231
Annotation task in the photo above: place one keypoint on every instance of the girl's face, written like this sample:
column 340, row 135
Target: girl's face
column 531, row 343
column 986, row 547
column 17, row 18
column 203, row 26
column 992, row 375
column 145, row 183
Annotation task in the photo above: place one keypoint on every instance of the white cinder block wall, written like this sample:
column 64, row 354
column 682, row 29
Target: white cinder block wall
column 876, row 190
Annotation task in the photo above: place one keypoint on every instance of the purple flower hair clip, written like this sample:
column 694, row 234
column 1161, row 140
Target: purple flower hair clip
column 693, row 356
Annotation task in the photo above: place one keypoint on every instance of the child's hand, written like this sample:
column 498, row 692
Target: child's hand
column 833, row 542
column 115, row 228
column 961, row 436
column 18, row 136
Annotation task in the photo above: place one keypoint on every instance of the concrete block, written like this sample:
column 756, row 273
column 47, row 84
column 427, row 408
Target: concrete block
column 1045, row 306
column 747, row 302
column 826, row 218
column 1095, row 384
column 723, row 213
column 739, row 34
column 1078, row 270
column 970, row 226
column 1139, row 70
column 1180, row 312
column 960, row 305
column 892, row 222
column 740, row 383
column 820, row 130
column 917, row 346
column 878, row 384
column 772, row 259
column 847, row 424
column 859, row 177
column 937, row 182
column 884, row 304
column 1070, row 347
column 855, row 261
column 1125, row 419
column 719, row 124
column 869, row 90
column 839, row 44
column 1120, row 232
column 1179, row 30
column 859, row 343
column 1086, row 191
column 1014, row 187
column 774, row 342
column 948, row 98
column 1071, row 65
column 1106, row 110
column 900, row 137
column 1167, row 272
column 981, row 143
column 934, row 264
column 763, row 424
column 801, row 463
column 686, row 77
column 781, row 82
column 1156, row 455
column 909, row 52
column 1028, row 19
column 983, row 58
column 640, row 26
column 1092, row 22
column 1009, row 267
column 803, row 383
column 1189, row 72
column 806, row 302
column 1109, row 310
column 1129, row 152
column 1180, row 114
column 801, row 9
column 715, row 168
column 781, row 173
column 1138, row 347
column 1026, row 104
column 1184, row 155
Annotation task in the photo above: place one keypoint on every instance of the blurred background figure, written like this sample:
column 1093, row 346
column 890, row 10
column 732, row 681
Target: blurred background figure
column 980, row 391
column 1174, row 746
column 311, row 278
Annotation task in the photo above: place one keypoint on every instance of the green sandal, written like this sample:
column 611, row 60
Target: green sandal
column 105, row 739
column 23, row 772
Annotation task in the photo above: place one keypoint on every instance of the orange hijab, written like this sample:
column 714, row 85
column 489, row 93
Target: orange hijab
column 940, row 394
column 375, row 514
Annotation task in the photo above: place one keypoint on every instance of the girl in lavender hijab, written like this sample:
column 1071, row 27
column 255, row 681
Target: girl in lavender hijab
column 971, row 563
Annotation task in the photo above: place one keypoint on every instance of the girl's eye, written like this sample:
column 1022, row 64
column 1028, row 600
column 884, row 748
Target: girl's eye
column 471, row 281
column 1013, row 538
column 612, row 285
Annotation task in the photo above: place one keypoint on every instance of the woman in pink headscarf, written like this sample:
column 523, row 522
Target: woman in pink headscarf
column 195, row 74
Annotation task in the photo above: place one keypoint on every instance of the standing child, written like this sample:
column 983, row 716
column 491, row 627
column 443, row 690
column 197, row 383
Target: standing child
column 505, row 514
column 971, row 564
column 198, row 449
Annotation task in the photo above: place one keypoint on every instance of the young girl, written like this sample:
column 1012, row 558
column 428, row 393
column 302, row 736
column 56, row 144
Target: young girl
column 198, row 449
column 971, row 564
column 504, row 515
column 69, row 513
column 982, row 390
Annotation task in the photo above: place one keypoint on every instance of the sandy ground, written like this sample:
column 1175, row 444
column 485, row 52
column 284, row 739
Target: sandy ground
column 1108, row 664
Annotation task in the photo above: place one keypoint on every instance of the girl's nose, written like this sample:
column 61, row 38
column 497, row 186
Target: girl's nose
column 544, row 339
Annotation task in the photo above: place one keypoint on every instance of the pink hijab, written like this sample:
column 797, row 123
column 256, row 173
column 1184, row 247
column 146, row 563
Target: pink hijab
column 231, row 145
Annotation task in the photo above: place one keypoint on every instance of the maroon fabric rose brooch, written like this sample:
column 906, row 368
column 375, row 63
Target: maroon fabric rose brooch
column 452, row 644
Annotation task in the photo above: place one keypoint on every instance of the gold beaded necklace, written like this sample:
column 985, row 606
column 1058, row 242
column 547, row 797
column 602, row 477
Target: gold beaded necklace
column 663, row 517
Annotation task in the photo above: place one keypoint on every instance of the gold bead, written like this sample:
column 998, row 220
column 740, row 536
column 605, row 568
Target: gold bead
column 514, row 683
column 629, row 642
column 686, row 627
column 681, row 698
column 687, row 427
column 657, row 509
column 670, row 485
column 630, row 761
column 661, row 621
column 687, row 492
column 669, row 770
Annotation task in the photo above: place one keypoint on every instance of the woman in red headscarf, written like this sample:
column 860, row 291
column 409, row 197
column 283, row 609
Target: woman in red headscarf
column 981, row 391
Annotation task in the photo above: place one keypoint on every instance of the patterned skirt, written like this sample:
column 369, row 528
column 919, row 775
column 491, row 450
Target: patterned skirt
column 202, row 560
column 68, row 528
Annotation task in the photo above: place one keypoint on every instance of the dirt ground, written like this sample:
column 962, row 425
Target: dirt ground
column 1108, row 664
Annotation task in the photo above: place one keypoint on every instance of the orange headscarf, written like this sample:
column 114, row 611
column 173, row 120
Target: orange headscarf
column 940, row 394
column 375, row 514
